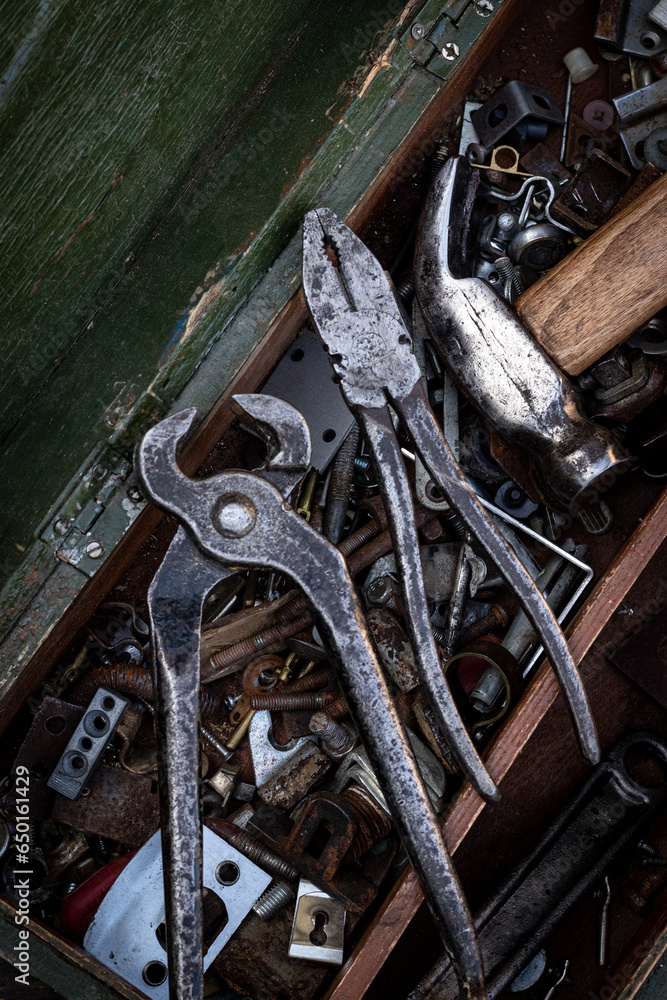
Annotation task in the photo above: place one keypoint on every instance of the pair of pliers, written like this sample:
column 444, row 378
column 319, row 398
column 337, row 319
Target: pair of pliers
column 355, row 312
column 241, row 519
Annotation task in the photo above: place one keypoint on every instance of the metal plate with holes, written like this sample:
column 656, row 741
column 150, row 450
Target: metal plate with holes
column 40, row 751
column 304, row 377
column 88, row 742
column 641, row 112
column 318, row 931
column 511, row 105
column 127, row 932
column 267, row 755
column 121, row 806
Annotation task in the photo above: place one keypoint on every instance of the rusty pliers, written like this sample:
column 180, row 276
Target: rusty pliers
column 242, row 519
column 355, row 312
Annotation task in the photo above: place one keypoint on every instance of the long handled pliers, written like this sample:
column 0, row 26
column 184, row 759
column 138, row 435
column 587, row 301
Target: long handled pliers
column 355, row 313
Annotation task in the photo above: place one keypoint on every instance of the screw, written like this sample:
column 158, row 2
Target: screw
column 450, row 51
column 224, row 752
column 61, row 526
column 417, row 31
column 507, row 270
column 484, row 8
column 256, row 851
column 383, row 592
column 94, row 549
column 507, row 223
column 336, row 739
column 273, row 899
column 99, row 471
column 279, row 701
column 135, row 494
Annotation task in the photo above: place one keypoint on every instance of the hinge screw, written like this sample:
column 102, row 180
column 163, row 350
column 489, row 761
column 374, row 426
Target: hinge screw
column 94, row 550
column 417, row 31
column 61, row 526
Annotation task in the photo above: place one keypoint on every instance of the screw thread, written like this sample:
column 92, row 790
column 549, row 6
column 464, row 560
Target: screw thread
column 253, row 849
column 274, row 899
column 337, row 740
column 284, row 701
column 507, row 270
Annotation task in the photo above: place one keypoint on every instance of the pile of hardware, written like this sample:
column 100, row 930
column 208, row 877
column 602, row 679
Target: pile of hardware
column 332, row 639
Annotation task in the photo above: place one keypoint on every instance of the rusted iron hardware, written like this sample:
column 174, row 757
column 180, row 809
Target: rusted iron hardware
column 241, row 519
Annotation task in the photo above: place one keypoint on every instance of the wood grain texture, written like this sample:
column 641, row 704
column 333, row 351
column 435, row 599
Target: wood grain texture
column 611, row 284
column 358, row 973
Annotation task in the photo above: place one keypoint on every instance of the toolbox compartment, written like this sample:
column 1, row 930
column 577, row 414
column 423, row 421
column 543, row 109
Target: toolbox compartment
column 535, row 757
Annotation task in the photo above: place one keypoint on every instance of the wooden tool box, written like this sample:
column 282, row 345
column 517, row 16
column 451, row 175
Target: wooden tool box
column 171, row 278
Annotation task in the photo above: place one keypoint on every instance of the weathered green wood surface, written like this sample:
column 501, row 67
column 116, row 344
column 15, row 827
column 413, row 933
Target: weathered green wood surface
column 218, row 259
column 142, row 145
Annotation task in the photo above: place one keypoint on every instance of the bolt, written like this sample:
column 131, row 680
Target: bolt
column 61, row 526
column 508, row 272
column 450, row 51
column 234, row 515
column 336, row 739
column 135, row 494
column 417, row 31
column 384, row 592
column 256, row 851
column 507, row 223
column 279, row 701
column 274, row 899
column 94, row 549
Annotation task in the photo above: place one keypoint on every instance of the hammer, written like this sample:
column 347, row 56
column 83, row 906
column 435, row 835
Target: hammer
column 605, row 289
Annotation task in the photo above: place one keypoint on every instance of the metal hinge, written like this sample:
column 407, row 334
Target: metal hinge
column 442, row 35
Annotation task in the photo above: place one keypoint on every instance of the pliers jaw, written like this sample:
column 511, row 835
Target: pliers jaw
column 355, row 313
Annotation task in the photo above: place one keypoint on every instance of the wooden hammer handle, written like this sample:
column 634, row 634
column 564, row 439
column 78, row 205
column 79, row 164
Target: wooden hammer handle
column 606, row 288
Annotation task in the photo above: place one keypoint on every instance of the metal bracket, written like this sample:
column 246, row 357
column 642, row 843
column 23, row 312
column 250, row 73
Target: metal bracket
column 126, row 934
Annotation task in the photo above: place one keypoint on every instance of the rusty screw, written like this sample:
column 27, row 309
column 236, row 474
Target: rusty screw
column 256, row 851
column 640, row 895
column 336, row 739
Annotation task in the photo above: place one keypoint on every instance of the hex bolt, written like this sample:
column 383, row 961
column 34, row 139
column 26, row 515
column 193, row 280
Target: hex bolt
column 255, row 850
column 340, row 485
column 335, row 738
column 383, row 592
column 508, row 272
column 274, row 899
column 94, row 549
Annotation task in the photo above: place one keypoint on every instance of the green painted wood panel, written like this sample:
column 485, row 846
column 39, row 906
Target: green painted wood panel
column 180, row 137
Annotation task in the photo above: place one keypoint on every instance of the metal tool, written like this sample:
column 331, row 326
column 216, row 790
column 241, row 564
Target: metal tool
column 355, row 313
column 496, row 362
column 241, row 519
column 606, row 813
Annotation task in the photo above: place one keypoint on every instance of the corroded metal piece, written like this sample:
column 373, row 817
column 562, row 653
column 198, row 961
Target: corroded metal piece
column 356, row 315
column 240, row 519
